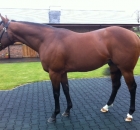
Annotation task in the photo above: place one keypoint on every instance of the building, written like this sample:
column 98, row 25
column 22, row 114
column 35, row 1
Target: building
column 76, row 20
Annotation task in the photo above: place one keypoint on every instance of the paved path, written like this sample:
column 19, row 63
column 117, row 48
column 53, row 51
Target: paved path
column 29, row 106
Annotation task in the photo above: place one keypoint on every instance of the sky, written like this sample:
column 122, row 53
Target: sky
column 129, row 6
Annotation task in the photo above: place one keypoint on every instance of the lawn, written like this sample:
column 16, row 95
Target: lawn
column 16, row 74
column 138, row 33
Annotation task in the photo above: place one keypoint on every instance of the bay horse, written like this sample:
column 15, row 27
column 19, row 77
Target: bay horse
column 61, row 51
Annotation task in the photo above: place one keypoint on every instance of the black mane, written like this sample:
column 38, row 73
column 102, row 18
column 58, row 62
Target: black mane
column 32, row 23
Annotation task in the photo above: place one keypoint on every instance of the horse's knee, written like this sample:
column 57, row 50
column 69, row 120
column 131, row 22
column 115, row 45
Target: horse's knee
column 56, row 94
column 66, row 92
column 116, row 84
column 66, row 89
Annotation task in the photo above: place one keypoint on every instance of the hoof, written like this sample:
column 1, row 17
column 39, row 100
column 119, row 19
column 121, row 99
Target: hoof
column 51, row 120
column 66, row 114
column 129, row 118
column 104, row 110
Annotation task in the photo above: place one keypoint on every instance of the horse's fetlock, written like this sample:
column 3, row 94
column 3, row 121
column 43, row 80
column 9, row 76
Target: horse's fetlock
column 131, row 111
column 70, row 105
column 57, row 111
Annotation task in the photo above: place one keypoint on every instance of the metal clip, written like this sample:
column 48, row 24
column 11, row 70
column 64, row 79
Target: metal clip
column 5, row 29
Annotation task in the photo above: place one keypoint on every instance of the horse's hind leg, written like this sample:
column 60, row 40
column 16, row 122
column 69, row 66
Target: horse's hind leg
column 65, row 86
column 115, row 77
column 130, row 81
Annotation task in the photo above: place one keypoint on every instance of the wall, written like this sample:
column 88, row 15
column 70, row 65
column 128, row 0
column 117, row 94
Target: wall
column 15, row 51
column 3, row 53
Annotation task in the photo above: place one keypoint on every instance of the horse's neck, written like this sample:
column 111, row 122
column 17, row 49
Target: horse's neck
column 29, row 34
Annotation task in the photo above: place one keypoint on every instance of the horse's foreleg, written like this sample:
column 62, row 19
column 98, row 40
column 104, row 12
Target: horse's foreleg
column 115, row 76
column 55, row 78
column 65, row 86
column 130, row 81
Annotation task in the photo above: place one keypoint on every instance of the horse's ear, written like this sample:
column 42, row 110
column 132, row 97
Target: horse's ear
column 6, row 18
column 3, row 19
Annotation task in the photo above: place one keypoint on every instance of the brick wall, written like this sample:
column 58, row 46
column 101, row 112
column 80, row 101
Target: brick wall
column 15, row 51
column 3, row 53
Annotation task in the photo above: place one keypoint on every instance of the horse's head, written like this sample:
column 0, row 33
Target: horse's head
column 5, row 39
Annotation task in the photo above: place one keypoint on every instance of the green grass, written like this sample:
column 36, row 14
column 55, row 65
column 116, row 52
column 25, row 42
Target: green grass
column 138, row 33
column 16, row 74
